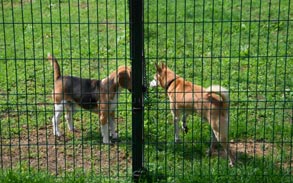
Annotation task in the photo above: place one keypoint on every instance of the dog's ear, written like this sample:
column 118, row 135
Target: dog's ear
column 124, row 79
column 163, row 65
column 158, row 68
column 49, row 56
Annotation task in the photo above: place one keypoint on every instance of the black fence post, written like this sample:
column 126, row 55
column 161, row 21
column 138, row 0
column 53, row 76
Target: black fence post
column 137, row 58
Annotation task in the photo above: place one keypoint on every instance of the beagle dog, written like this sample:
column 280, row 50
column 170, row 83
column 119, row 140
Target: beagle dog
column 186, row 98
column 98, row 96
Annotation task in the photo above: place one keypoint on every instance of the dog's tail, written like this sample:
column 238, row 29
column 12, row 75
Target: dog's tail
column 215, row 91
column 56, row 66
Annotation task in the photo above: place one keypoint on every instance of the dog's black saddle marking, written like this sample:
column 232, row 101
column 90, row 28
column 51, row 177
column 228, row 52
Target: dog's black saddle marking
column 84, row 92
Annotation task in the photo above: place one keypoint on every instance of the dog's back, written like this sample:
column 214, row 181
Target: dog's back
column 188, row 96
column 83, row 92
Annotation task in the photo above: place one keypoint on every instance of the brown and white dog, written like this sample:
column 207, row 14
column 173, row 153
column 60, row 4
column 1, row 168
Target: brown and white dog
column 98, row 96
column 186, row 98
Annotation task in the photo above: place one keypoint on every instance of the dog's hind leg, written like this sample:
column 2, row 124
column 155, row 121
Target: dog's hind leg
column 113, row 126
column 213, row 144
column 58, row 109
column 184, row 125
column 176, row 119
column 220, row 129
column 68, row 116
column 104, row 127
column 105, row 133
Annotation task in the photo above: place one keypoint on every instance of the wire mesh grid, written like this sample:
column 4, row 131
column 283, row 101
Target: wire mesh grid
column 244, row 46
column 89, row 39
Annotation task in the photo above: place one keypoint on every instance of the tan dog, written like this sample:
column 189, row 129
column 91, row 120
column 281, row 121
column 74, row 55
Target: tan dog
column 98, row 96
column 187, row 98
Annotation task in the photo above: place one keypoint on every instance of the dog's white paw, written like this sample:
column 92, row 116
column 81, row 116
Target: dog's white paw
column 177, row 140
column 114, row 135
column 75, row 130
column 184, row 129
column 56, row 132
column 106, row 140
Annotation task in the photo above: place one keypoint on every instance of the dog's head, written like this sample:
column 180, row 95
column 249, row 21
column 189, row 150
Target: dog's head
column 124, row 78
column 163, row 76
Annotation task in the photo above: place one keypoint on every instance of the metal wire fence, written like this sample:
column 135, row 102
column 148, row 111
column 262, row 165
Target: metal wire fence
column 242, row 46
column 89, row 39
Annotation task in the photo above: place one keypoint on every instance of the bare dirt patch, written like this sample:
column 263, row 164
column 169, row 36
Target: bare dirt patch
column 252, row 148
column 256, row 150
column 40, row 150
column 249, row 148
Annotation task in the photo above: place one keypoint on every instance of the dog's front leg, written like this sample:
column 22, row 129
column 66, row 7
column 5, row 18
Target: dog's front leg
column 176, row 125
column 104, row 128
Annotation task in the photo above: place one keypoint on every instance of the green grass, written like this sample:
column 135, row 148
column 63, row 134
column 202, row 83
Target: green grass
column 244, row 46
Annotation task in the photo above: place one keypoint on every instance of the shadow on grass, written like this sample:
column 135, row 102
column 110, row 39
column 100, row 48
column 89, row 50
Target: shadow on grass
column 94, row 137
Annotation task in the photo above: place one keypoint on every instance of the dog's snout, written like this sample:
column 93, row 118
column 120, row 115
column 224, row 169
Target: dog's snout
column 154, row 83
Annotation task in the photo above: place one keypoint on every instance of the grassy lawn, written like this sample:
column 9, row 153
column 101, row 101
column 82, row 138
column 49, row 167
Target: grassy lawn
column 245, row 46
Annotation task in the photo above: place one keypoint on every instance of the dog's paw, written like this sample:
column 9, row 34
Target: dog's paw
column 74, row 130
column 63, row 138
column 177, row 140
column 209, row 152
column 106, row 140
column 114, row 135
column 110, row 143
column 59, row 138
column 115, row 140
column 57, row 133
